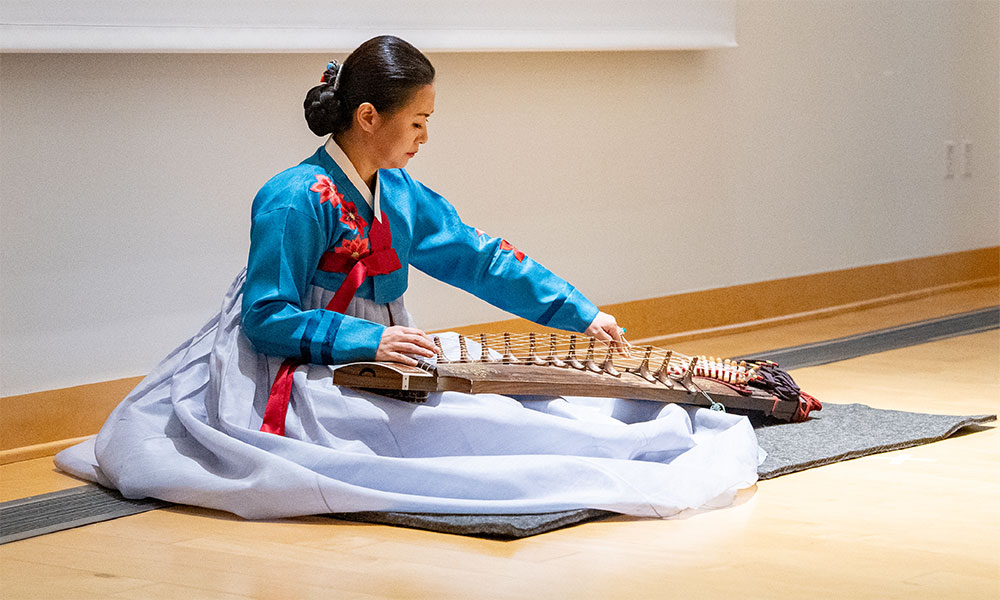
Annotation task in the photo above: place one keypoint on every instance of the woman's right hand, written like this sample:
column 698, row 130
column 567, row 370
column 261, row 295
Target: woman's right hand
column 399, row 342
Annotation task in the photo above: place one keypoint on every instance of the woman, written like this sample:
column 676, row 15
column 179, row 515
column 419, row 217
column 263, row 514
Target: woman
column 243, row 416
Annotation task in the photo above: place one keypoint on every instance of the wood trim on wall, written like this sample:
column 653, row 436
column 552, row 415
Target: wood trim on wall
column 42, row 423
column 39, row 450
column 35, row 424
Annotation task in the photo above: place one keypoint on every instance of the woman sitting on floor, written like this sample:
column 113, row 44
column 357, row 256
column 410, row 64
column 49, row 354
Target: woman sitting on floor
column 244, row 417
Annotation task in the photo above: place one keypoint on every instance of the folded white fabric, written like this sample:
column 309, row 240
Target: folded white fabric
column 189, row 433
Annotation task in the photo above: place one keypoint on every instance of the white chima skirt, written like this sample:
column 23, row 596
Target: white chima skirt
column 189, row 434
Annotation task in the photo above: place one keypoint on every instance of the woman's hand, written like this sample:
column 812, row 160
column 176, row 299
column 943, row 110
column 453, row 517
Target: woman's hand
column 399, row 342
column 605, row 328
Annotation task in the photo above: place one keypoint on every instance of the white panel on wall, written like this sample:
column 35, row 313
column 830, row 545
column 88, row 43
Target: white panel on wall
column 323, row 26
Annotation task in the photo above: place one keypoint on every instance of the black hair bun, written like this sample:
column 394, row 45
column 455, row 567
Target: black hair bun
column 323, row 108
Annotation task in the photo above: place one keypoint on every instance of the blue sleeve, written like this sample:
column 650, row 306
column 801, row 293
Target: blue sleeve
column 447, row 249
column 285, row 248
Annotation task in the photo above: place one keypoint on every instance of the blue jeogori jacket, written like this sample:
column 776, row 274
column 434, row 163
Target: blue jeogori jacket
column 313, row 208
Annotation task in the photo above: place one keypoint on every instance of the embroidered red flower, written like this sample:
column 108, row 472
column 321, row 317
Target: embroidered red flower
column 505, row 245
column 356, row 248
column 327, row 190
column 349, row 216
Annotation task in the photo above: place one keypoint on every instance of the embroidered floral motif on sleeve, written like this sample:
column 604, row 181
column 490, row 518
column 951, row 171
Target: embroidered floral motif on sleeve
column 349, row 216
column 356, row 248
column 505, row 245
column 327, row 190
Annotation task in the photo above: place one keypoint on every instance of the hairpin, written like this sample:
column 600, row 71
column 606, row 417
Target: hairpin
column 336, row 80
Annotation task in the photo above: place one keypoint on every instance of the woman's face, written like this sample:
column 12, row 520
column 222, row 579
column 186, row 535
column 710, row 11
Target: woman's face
column 396, row 137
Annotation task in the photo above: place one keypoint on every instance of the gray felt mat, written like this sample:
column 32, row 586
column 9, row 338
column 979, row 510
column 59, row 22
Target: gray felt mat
column 838, row 432
column 845, row 431
column 491, row 526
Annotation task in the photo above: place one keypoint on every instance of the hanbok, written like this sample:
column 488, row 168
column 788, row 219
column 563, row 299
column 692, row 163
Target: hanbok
column 191, row 432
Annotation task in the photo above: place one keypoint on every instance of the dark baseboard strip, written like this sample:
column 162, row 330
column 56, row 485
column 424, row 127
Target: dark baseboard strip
column 46, row 513
column 882, row 340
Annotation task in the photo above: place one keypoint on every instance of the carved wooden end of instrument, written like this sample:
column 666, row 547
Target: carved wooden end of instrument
column 394, row 380
column 513, row 366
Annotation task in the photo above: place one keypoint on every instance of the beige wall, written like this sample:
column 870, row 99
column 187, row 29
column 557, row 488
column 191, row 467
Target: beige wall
column 818, row 144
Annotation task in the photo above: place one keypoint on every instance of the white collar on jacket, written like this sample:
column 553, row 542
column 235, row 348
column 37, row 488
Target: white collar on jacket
column 345, row 164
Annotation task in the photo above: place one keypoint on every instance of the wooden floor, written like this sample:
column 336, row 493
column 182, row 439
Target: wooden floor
column 916, row 523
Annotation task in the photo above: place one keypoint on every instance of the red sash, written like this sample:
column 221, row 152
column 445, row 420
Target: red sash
column 382, row 259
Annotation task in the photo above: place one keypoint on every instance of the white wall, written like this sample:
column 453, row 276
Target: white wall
column 818, row 144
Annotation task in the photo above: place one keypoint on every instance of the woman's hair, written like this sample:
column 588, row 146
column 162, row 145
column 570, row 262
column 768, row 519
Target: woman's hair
column 385, row 71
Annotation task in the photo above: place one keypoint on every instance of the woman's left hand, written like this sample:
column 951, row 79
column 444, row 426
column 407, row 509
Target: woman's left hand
column 604, row 327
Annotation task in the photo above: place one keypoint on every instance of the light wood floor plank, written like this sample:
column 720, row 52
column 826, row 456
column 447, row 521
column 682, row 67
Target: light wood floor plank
column 33, row 477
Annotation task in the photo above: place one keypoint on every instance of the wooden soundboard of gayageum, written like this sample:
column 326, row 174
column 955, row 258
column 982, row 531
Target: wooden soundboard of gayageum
column 498, row 378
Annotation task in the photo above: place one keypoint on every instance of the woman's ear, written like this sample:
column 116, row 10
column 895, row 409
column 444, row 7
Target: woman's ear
column 366, row 117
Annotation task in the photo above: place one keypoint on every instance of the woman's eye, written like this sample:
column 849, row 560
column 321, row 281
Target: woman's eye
column 418, row 125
